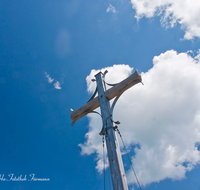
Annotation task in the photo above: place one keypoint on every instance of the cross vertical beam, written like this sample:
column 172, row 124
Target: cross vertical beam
column 114, row 155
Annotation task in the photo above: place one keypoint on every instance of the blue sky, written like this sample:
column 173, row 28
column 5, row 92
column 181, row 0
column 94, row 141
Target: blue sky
column 48, row 48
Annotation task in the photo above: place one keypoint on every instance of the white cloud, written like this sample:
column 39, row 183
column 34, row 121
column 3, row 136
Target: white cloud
column 111, row 9
column 57, row 85
column 50, row 80
column 162, row 117
column 184, row 12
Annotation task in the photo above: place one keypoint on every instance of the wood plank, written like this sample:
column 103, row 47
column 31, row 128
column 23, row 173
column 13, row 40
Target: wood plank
column 110, row 94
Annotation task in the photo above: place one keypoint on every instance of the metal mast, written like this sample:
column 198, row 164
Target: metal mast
column 114, row 155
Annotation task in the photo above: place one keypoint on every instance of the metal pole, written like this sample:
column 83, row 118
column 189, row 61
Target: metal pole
column 114, row 155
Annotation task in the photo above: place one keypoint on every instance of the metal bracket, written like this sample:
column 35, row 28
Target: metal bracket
column 104, row 74
column 111, row 84
column 74, row 121
column 94, row 94
column 104, row 127
column 118, row 96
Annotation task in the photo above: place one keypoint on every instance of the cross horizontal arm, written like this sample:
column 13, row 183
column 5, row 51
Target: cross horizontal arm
column 110, row 94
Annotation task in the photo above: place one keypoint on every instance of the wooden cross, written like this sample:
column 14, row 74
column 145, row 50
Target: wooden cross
column 102, row 100
column 110, row 94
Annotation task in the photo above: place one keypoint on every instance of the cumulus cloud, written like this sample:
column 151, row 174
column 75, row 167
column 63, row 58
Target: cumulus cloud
column 160, row 121
column 50, row 80
column 184, row 12
column 111, row 9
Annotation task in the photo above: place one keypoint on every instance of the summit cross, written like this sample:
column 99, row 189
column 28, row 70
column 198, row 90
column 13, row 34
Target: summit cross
column 102, row 100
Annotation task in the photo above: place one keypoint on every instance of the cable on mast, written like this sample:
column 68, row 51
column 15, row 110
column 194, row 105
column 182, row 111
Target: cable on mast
column 128, row 156
column 104, row 172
